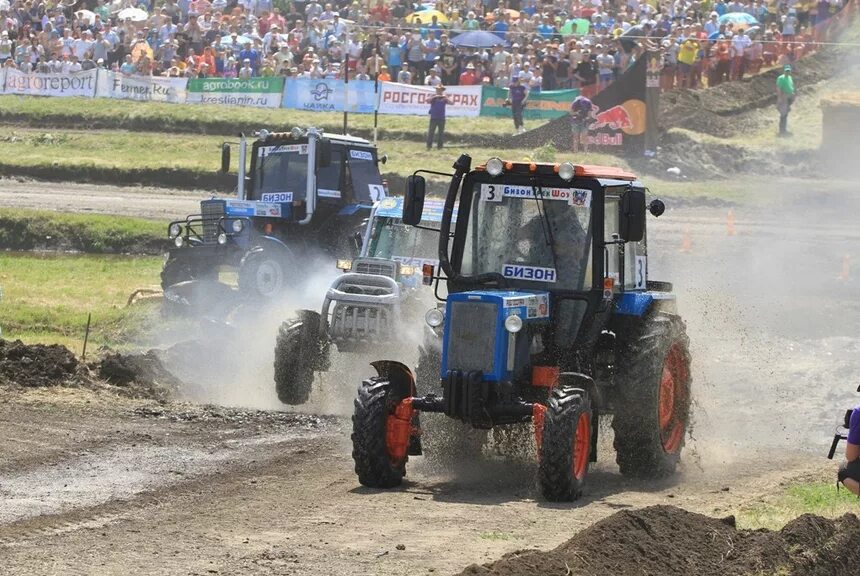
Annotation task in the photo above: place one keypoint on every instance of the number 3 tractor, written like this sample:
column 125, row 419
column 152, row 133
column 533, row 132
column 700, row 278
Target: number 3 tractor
column 303, row 198
column 550, row 319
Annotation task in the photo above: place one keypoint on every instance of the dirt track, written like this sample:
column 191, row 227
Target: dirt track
column 98, row 485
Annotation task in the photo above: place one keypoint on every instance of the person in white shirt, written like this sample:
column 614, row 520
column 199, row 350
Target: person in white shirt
column 83, row 44
column 740, row 43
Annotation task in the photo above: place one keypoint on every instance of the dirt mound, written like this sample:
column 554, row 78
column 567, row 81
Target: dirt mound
column 669, row 541
column 34, row 366
column 139, row 375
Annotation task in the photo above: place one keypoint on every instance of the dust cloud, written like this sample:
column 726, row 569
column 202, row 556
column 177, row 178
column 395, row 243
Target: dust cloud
column 772, row 316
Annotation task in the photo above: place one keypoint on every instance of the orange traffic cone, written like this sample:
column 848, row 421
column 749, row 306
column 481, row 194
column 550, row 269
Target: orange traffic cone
column 686, row 240
column 846, row 268
column 730, row 223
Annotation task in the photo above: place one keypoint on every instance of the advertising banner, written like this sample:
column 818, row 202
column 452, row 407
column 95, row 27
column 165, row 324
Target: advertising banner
column 33, row 84
column 618, row 116
column 154, row 88
column 254, row 92
column 329, row 95
column 397, row 98
column 541, row 105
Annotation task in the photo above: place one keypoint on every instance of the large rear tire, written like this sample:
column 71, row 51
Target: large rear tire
column 297, row 355
column 263, row 273
column 565, row 450
column 376, row 400
column 652, row 408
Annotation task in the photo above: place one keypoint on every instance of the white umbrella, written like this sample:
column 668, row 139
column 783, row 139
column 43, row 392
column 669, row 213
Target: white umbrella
column 133, row 14
column 86, row 14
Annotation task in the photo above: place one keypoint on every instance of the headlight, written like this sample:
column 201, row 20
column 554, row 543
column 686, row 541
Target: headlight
column 495, row 166
column 222, row 238
column 238, row 226
column 174, row 230
column 513, row 324
column 407, row 270
column 434, row 317
column 566, row 171
column 178, row 241
column 296, row 132
column 345, row 265
column 263, row 134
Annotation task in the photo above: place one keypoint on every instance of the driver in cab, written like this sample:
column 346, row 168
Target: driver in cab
column 554, row 238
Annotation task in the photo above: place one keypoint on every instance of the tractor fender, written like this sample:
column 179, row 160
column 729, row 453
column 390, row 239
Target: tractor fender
column 264, row 243
column 400, row 376
column 585, row 382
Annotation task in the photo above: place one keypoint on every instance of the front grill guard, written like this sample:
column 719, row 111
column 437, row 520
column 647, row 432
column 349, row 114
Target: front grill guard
column 194, row 228
column 353, row 315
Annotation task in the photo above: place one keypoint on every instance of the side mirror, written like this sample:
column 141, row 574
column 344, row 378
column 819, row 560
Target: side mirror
column 225, row 158
column 632, row 217
column 382, row 159
column 413, row 203
column 656, row 207
column 323, row 153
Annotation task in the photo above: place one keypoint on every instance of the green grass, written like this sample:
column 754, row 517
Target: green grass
column 34, row 229
column 131, row 151
column 221, row 120
column 819, row 498
column 46, row 299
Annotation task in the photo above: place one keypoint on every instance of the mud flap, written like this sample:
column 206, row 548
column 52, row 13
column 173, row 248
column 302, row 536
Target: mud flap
column 403, row 381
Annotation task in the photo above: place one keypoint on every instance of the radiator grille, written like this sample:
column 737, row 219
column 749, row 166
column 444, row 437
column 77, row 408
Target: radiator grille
column 379, row 267
column 212, row 212
column 472, row 336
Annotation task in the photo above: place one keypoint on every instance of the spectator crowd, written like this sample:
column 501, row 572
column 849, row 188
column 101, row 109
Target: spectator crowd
column 543, row 44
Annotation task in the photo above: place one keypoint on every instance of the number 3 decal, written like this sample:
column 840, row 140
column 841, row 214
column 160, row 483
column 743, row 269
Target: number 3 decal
column 489, row 193
column 641, row 271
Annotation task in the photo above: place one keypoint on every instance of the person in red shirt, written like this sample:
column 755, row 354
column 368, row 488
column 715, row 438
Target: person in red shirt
column 468, row 77
column 380, row 12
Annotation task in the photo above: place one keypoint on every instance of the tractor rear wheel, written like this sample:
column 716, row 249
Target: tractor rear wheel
column 376, row 468
column 565, row 449
column 653, row 405
column 297, row 355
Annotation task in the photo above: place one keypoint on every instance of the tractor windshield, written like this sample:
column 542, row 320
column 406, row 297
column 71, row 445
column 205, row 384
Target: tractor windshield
column 535, row 236
column 392, row 239
column 280, row 170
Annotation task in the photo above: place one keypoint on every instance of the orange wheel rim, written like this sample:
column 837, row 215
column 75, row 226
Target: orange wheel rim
column 581, row 445
column 672, row 399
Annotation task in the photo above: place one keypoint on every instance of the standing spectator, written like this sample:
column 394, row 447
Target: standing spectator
column 468, row 77
column 246, row 72
column 517, row 98
column 404, row 76
column 849, row 471
column 784, row 98
column 740, row 44
column 605, row 63
column 438, row 103
column 580, row 117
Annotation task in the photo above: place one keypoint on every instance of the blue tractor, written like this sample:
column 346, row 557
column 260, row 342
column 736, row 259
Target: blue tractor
column 363, row 308
column 302, row 196
column 550, row 318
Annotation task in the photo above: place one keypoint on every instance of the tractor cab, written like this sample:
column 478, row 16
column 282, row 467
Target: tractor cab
column 301, row 195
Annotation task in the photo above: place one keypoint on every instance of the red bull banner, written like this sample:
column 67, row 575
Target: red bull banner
column 618, row 114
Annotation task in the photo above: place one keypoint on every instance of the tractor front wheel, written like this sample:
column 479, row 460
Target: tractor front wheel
column 263, row 273
column 565, row 449
column 297, row 355
column 653, row 404
column 375, row 462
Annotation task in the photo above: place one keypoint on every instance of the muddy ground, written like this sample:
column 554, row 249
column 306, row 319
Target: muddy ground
column 96, row 483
